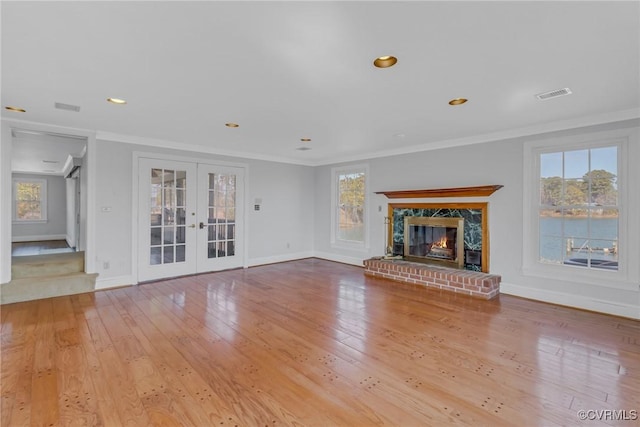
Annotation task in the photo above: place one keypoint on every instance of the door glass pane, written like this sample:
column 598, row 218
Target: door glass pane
column 156, row 235
column 180, row 253
column 221, row 209
column 169, row 178
column 181, row 179
column 181, row 215
column 167, row 208
column 156, row 256
column 180, row 234
column 169, row 215
column 168, row 236
column 156, row 217
column 180, row 197
column 168, row 254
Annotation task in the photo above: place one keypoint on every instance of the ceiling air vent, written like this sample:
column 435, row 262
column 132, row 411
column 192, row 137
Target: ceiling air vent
column 68, row 107
column 303, row 148
column 553, row 94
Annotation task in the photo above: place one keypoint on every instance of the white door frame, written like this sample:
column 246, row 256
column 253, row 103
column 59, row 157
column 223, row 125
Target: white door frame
column 135, row 182
column 6, row 140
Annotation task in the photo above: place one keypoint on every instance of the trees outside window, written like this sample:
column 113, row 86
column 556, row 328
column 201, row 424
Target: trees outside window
column 349, row 218
column 30, row 199
column 578, row 208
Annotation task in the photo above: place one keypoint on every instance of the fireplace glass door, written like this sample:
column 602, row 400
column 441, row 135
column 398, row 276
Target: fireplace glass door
column 435, row 240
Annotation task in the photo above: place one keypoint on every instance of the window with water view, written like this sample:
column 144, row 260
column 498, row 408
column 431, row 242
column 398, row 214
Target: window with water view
column 350, row 212
column 578, row 209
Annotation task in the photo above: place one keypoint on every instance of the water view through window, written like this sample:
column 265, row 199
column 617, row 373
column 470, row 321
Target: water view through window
column 578, row 210
column 350, row 214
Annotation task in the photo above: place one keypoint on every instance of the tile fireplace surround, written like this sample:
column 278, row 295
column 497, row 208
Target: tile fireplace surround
column 474, row 283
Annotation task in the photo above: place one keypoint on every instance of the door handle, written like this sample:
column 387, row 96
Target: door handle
column 192, row 226
column 201, row 225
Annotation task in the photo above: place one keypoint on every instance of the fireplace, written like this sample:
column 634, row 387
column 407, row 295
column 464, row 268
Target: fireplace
column 434, row 240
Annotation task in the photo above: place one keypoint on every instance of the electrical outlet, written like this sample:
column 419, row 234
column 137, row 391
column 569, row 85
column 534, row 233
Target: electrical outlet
column 288, row 245
column 105, row 265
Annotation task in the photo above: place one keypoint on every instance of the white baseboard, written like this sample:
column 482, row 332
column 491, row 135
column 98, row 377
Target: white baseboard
column 339, row 258
column 572, row 300
column 278, row 258
column 114, row 282
column 38, row 238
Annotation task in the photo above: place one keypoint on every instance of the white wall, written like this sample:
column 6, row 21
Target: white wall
column 5, row 202
column 55, row 227
column 283, row 227
column 499, row 162
column 286, row 215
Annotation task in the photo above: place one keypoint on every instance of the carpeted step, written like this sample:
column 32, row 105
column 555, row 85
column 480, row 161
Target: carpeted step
column 32, row 288
column 48, row 265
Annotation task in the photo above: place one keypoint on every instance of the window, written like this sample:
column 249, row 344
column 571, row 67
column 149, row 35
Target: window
column 349, row 217
column 29, row 200
column 578, row 212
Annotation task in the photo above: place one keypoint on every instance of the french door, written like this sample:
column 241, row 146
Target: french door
column 190, row 218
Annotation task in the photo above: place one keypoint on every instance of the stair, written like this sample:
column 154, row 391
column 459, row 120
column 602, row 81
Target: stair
column 45, row 276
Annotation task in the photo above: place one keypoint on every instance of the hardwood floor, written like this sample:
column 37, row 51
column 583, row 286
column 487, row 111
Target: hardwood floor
column 309, row 343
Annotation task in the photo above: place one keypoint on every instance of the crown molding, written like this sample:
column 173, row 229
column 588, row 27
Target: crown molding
column 173, row 145
column 560, row 125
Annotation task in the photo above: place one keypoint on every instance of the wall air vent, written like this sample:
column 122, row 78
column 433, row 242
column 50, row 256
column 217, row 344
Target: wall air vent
column 68, row 107
column 554, row 94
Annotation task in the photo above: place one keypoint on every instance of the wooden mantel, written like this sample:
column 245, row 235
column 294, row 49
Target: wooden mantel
column 479, row 191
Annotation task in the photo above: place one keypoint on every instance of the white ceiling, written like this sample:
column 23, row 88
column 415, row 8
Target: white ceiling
column 43, row 153
column 289, row 70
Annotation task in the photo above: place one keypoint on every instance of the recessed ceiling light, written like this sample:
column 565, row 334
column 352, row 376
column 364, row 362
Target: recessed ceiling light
column 305, row 139
column 232, row 125
column 385, row 61
column 16, row 109
column 116, row 101
column 458, row 101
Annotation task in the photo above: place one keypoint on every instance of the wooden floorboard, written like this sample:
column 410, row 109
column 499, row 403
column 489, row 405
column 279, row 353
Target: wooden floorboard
column 309, row 343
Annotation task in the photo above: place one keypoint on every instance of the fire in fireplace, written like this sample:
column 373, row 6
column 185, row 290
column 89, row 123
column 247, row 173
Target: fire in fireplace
column 434, row 240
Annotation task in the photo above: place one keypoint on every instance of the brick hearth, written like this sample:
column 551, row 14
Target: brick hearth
column 474, row 283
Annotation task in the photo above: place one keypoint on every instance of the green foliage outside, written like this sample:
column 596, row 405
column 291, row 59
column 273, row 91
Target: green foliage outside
column 351, row 204
column 28, row 204
column 595, row 188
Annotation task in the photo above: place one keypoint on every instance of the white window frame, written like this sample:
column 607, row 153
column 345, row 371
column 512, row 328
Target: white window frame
column 335, row 241
column 532, row 266
column 43, row 200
